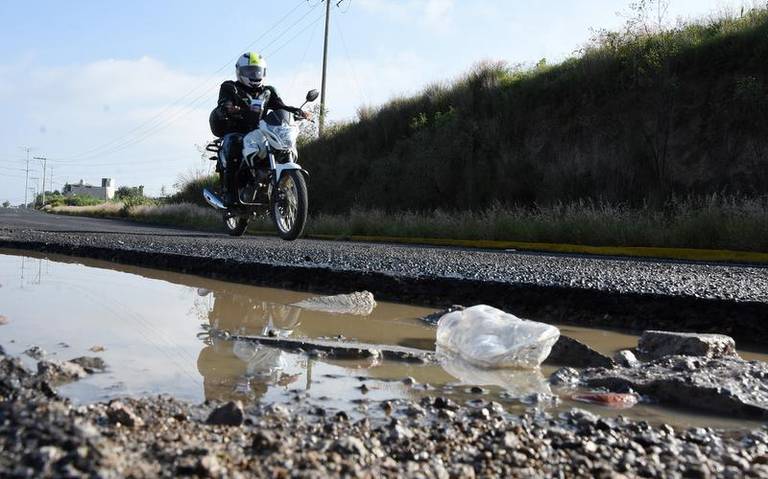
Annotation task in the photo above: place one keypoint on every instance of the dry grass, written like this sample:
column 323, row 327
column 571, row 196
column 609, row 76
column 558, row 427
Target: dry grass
column 106, row 210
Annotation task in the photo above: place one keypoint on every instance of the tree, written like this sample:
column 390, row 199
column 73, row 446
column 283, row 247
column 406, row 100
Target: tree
column 647, row 16
column 125, row 192
column 6, row 204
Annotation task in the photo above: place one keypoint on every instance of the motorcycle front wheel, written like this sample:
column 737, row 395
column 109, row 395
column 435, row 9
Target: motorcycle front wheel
column 288, row 205
column 235, row 225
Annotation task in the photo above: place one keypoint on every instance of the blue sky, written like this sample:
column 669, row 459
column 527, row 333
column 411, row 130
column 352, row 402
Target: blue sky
column 123, row 89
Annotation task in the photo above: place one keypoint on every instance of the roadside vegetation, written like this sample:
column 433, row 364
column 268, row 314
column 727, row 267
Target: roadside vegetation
column 640, row 116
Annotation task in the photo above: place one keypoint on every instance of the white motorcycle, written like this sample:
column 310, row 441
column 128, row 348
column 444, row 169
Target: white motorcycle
column 268, row 177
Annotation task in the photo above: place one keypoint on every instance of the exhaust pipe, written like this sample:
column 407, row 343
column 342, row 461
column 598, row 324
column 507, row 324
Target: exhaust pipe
column 213, row 200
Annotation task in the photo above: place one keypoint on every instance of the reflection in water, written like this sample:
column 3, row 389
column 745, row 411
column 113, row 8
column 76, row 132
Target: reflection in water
column 243, row 369
column 517, row 383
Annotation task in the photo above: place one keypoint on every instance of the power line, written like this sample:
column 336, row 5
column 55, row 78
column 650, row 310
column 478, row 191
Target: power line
column 284, row 44
column 355, row 78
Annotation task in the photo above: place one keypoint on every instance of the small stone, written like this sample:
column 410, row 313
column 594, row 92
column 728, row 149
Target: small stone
column 477, row 390
column 626, row 358
column 414, row 410
column 265, row 442
column 36, row 352
column 511, row 441
column 277, row 410
column 91, row 364
column 341, row 416
column 541, row 399
column 564, row 377
column 350, row 445
column 444, row 403
column 230, row 414
column 209, row 466
column 409, row 381
column 400, row 432
column 119, row 413
column 463, row 471
column 97, row 349
column 3, row 320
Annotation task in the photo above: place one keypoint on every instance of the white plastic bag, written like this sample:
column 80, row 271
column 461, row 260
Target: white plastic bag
column 490, row 338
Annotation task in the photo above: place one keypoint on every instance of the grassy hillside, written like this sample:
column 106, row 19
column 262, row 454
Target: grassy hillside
column 636, row 119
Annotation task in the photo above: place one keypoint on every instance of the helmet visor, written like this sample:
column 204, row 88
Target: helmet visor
column 253, row 72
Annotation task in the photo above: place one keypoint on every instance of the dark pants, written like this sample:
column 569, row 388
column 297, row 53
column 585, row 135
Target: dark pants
column 232, row 148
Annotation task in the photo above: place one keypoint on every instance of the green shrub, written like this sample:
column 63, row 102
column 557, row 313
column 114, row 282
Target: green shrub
column 191, row 190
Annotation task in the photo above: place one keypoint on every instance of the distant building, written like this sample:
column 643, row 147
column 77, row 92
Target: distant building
column 104, row 192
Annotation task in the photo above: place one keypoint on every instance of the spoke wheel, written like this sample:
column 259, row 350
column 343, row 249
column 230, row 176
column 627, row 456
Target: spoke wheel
column 288, row 206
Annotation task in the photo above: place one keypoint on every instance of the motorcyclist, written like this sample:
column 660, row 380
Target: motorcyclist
column 241, row 105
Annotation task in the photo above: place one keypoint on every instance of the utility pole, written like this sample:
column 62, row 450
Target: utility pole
column 45, row 161
column 26, row 179
column 37, row 185
column 321, row 123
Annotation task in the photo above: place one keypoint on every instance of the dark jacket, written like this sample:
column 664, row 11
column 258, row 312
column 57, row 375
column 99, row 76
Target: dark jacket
column 253, row 104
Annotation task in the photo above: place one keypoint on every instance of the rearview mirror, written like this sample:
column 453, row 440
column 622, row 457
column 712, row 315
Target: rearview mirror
column 312, row 95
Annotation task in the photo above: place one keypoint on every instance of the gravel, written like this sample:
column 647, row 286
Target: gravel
column 42, row 434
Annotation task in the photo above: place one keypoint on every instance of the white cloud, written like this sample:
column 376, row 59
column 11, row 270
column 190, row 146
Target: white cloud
column 435, row 14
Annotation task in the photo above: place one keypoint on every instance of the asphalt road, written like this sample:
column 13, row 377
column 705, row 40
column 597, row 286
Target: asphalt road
column 20, row 219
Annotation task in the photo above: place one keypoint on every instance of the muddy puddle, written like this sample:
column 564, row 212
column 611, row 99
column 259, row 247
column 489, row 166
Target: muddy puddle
column 153, row 330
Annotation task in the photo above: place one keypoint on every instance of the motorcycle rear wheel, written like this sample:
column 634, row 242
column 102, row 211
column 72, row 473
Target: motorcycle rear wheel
column 235, row 225
column 288, row 205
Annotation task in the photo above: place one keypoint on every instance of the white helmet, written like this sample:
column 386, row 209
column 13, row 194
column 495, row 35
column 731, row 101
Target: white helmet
column 251, row 68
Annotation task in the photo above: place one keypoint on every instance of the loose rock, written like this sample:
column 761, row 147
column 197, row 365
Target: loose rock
column 230, row 414
column 570, row 352
column 657, row 344
column 90, row 364
column 119, row 413
column 626, row 358
column 59, row 372
column 565, row 377
column 36, row 352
